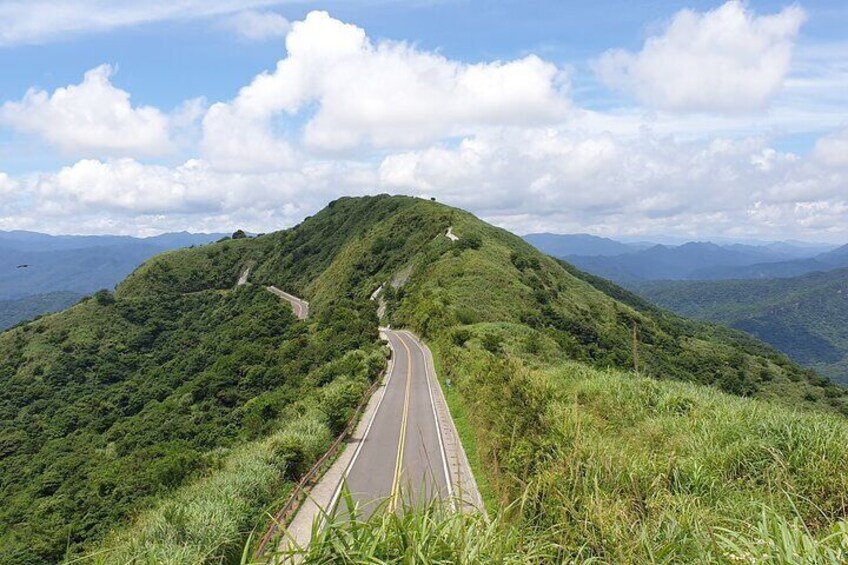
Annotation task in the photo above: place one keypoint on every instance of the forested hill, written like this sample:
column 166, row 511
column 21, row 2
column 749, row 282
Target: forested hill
column 802, row 316
column 116, row 407
column 355, row 245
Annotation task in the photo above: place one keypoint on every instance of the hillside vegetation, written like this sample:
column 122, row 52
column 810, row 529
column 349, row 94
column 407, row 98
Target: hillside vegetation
column 42, row 274
column 593, row 461
column 804, row 316
column 604, row 464
column 122, row 399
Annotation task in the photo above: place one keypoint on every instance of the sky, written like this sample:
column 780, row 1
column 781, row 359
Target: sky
column 692, row 120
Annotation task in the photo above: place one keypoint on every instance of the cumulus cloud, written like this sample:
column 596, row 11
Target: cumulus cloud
column 126, row 196
column 129, row 186
column 524, row 179
column 252, row 25
column 353, row 92
column 343, row 114
column 90, row 117
column 833, row 149
column 238, row 141
column 7, row 185
column 40, row 21
column 726, row 60
column 548, row 179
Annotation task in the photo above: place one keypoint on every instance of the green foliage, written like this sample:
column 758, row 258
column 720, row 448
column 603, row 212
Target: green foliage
column 802, row 316
column 627, row 469
column 430, row 534
column 124, row 398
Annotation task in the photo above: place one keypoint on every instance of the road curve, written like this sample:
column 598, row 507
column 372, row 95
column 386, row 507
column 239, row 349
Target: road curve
column 401, row 459
column 300, row 307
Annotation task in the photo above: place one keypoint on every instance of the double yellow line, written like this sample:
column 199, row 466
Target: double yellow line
column 395, row 496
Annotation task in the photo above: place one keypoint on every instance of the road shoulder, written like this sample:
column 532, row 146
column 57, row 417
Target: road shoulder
column 322, row 496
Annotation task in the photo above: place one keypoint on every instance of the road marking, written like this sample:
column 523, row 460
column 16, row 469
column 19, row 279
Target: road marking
column 393, row 500
column 448, row 481
column 390, row 371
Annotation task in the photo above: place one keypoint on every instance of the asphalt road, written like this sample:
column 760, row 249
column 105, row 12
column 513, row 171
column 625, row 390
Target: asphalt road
column 300, row 307
column 401, row 459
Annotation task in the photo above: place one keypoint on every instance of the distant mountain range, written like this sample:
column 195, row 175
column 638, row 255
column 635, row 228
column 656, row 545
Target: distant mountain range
column 803, row 316
column 42, row 273
column 563, row 245
column 628, row 263
column 827, row 261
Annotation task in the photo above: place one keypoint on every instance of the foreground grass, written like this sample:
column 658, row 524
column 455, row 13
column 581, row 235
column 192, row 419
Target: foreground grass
column 432, row 533
column 435, row 534
column 209, row 521
column 628, row 469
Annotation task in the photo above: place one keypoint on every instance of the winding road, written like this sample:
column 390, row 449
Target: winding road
column 404, row 451
column 401, row 459
column 300, row 307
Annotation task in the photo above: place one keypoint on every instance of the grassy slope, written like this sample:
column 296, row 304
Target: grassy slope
column 621, row 468
column 802, row 316
column 501, row 317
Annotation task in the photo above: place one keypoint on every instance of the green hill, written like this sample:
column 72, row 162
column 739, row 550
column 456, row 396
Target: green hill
column 803, row 316
column 118, row 401
column 183, row 408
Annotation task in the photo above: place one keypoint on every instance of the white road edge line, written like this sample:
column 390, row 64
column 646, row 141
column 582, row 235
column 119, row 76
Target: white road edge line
column 337, row 493
column 448, row 481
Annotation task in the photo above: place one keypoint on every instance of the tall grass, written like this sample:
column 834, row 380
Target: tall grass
column 434, row 533
column 208, row 521
column 428, row 533
column 776, row 540
column 628, row 469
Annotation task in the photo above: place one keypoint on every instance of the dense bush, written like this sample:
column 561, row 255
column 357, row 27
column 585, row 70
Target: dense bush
column 121, row 400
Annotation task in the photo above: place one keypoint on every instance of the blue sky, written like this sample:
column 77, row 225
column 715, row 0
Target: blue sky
column 604, row 119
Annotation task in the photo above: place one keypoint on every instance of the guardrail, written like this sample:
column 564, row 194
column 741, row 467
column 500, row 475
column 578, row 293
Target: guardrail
column 301, row 489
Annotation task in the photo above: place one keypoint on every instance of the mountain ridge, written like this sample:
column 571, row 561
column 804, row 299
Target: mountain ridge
column 203, row 375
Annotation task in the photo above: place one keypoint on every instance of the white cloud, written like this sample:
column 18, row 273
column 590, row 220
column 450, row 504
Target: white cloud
column 8, row 193
column 354, row 93
column 549, row 179
column 237, row 141
column 126, row 196
column 40, row 21
column 725, row 60
column 91, row 117
column 7, row 185
column 126, row 185
column 833, row 149
column 342, row 114
column 525, row 179
column 252, row 25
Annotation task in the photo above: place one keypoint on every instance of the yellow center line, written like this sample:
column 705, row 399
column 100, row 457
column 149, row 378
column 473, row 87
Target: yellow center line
column 393, row 501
